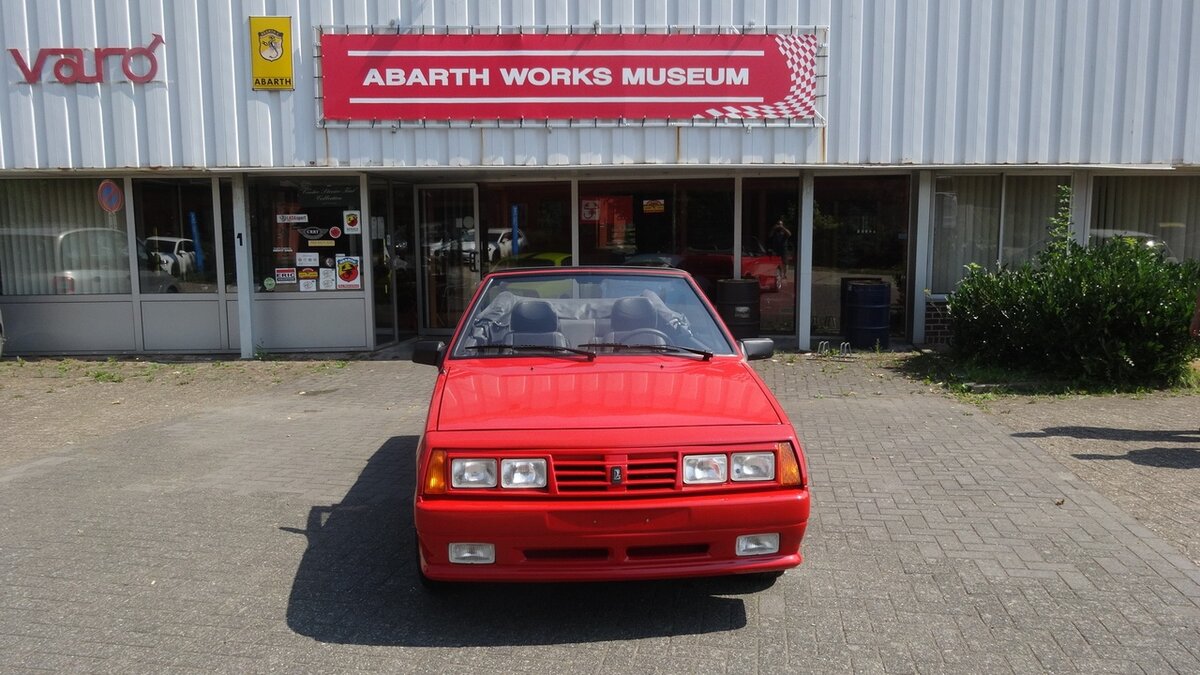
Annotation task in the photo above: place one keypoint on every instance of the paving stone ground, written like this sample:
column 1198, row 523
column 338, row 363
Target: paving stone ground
column 268, row 530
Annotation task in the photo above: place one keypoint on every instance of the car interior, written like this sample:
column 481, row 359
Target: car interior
column 526, row 320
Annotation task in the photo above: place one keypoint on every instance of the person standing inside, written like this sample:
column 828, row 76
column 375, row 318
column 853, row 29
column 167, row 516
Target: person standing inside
column 778, row 240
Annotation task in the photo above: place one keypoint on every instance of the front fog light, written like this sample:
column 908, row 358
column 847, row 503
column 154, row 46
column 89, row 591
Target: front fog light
column 758, row 544
column 748, row 466
column 523, row 473
column 472, row 554
column 473, row 473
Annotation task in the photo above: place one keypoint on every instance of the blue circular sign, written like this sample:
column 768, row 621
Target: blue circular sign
column 110, row 196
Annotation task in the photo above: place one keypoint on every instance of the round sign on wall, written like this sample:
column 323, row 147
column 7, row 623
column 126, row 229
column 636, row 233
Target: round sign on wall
column 110, row 196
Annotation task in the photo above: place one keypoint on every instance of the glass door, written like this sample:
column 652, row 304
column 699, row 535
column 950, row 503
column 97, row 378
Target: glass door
column 449, row 241
column 394, row 260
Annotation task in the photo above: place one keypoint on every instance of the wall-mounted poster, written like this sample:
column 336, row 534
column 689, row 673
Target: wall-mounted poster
column 349, row 272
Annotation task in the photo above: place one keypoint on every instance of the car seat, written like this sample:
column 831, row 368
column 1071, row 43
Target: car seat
column 534, row 322
column 634, row 321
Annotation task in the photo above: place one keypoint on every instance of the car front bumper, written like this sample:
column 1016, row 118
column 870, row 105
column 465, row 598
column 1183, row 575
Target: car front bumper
column 610, row 539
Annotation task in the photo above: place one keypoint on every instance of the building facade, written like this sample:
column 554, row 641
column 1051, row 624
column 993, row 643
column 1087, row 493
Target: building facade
column 244, row 175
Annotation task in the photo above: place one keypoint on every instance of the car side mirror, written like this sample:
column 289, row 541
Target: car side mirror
column 429, row 352
column 757, row 349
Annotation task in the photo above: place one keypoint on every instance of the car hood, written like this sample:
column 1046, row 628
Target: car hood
column 610, row 392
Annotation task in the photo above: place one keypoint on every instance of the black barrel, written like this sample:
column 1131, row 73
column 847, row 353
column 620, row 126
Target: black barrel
column 738, row 305
column 844, row 317
column 869, row 306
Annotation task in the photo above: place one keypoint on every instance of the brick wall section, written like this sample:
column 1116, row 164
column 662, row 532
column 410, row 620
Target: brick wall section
column 937, row 322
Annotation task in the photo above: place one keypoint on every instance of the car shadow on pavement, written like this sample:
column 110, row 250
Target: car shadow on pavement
column 1164, row 458
column 1110, row 434
column 357, row 584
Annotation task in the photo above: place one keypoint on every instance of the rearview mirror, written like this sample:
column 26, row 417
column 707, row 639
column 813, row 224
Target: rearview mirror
column 429, row 352
column 757, row 349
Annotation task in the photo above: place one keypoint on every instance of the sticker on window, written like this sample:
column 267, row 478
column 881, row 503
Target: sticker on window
column 328, row 280
column 348, row 276
column 308, row 279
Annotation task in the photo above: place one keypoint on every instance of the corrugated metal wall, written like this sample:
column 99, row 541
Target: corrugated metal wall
column 912, row 82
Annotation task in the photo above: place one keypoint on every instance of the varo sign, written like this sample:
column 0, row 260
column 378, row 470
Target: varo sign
column 72, row 64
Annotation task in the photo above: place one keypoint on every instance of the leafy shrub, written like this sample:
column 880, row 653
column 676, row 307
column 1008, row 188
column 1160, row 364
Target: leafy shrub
column 1116, row 312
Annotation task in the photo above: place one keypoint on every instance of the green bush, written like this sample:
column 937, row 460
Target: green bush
column 1116, row 313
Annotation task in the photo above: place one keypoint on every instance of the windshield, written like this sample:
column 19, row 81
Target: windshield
column 603, row 312
column 160, row 245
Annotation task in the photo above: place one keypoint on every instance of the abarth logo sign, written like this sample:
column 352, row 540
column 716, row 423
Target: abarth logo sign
column 75, row 65
column 270, row 44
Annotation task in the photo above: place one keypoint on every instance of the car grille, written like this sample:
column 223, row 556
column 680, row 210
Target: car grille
column 640, row 474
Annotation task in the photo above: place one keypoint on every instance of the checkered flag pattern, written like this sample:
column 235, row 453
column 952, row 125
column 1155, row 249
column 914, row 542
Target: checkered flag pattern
column 801, row 101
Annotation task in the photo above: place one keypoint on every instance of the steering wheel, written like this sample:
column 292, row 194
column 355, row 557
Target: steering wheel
column 646, row 333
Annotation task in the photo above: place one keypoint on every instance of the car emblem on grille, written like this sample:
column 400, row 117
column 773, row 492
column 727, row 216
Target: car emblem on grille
column 615, row 475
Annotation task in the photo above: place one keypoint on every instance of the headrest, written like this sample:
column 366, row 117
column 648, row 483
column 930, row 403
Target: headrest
column 534, row 316
column 632, row 313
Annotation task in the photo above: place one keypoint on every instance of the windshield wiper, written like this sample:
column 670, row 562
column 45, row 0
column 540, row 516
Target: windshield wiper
column 591, row 356
column 660, row 349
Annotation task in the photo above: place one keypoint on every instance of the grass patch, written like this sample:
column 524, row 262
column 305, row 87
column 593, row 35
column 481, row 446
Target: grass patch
column 106, row 376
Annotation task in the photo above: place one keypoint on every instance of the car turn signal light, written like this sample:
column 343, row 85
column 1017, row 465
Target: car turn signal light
column 789, row 466
column 435, row 473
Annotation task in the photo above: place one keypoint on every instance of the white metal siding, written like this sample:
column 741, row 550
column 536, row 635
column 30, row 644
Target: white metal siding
column 911, row 82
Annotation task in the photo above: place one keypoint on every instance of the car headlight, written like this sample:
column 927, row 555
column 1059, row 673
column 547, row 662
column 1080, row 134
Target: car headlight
column 702, row 469
column 753, row 466
column 523, row 473
column 473, row 473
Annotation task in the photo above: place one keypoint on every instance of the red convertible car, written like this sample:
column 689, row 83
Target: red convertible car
column 615, row 433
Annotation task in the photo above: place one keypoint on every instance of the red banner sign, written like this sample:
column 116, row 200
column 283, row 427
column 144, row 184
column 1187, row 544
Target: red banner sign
column 510, row 77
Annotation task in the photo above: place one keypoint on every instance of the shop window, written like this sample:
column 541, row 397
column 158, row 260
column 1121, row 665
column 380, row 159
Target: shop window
column 306, row 234
column 684, row 224
column 1159, row 211
column 966, row 227
column 970, row 225
column 228, row 238
column 174, row 223
column 523, row 225
column 56, row 240
column 860, row 234
column 770, row 220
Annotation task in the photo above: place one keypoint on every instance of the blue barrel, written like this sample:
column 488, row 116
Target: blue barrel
column 844, row 302
column 869, row 307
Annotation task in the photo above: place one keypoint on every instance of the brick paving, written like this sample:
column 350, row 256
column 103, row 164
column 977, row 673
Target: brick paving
column 270, row 532
column 1141, row 451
